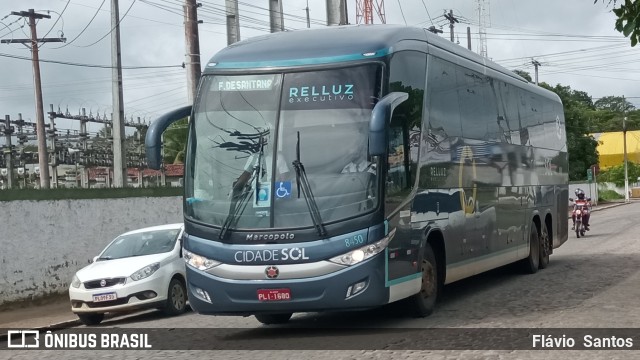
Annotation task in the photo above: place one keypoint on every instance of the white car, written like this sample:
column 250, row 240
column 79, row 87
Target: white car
column 138, row 269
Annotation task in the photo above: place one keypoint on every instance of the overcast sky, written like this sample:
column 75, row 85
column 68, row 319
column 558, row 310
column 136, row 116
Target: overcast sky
column 574, row 41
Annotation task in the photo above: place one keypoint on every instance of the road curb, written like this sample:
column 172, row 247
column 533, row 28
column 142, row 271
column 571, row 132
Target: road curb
column 605, row 207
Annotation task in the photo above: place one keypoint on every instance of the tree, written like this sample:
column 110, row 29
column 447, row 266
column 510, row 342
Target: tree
column 524, row 74
column 628, row 22
column 175, row 142
column 581, row 147
column 615, row 174
column 614, row 103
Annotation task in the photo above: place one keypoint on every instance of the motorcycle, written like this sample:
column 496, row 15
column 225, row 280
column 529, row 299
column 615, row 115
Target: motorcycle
column 580, row 209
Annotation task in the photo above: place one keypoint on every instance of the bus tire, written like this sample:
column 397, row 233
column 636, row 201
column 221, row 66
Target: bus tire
column 423, row 303
column 545, row 247
column 269, row 319
column 531, row 264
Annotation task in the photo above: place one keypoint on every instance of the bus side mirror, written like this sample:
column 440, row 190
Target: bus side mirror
column 380, row 117
column 153, row 139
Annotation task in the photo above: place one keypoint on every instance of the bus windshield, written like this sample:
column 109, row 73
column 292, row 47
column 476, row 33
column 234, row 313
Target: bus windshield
column 249, row 130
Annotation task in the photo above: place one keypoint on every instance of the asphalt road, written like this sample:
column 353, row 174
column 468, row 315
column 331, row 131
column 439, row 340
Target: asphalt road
column 591, row 282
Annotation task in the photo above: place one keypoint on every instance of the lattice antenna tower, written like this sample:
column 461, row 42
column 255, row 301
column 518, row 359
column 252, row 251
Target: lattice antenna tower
column 365, row 10
column 484, row 21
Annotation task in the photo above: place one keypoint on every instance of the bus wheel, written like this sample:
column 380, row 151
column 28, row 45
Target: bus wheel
column 531, row 264
column 423, row 303
column 545, row 247
column 269, row 319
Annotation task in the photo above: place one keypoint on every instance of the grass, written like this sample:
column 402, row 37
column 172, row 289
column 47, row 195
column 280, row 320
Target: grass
column 608, row 195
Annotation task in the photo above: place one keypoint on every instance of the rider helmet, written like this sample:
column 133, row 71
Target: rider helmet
column 579, row 194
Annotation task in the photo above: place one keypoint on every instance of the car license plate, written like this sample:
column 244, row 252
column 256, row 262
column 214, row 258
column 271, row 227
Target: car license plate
column 274, row 294
column 104, row 297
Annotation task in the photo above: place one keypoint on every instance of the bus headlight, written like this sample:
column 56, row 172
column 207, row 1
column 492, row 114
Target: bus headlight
column 197, row 261
column 360, row 254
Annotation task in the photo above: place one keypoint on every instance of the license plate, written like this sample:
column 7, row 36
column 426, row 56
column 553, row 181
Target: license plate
column 104, row 297
column 274, row 294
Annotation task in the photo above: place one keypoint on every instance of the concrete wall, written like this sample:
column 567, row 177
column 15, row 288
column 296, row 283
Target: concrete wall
column 43, row 243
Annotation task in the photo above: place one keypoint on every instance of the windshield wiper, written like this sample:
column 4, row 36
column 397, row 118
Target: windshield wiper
column 238, row 202
column 105, row 258
column 301, row 179
column 258, row 169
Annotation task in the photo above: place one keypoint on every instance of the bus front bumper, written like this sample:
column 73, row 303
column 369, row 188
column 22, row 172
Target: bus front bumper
column 213, row 295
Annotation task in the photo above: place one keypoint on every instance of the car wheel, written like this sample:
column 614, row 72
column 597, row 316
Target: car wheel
column 91, row 319
column 423, row 303
column 176, row 298
column 269, row 319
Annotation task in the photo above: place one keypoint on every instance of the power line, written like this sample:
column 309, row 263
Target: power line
column 113, row 28
column 58, row 19
column 427, row 10
column 85, row 28
column 402, row 12
column 90, row 65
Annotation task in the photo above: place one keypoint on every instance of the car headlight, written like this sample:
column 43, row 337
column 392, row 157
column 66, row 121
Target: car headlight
column 75, row 282
column 363, row 253
column 197, row 261
column 145, row 272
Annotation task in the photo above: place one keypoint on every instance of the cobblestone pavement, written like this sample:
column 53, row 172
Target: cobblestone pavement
column 591, row 282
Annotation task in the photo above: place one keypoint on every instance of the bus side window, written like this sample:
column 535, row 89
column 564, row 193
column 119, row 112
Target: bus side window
column 407, row 74
column 396, row 171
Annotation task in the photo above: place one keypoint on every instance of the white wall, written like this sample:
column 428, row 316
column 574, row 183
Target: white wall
column 43, row 243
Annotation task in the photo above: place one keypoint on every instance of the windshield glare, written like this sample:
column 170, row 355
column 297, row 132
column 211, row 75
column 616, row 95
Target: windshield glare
column 140, row 244
column 249, row 129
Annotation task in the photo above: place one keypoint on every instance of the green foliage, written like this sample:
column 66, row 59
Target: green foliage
column 628, row 19
column 616, row 174
column 608, row 195
column 175, row 142
column 61, row 194
column 581, row 147
column 524, row 74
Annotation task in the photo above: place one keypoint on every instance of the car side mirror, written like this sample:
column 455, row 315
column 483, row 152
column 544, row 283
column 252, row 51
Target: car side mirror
column 380, row 117
column 95, row 258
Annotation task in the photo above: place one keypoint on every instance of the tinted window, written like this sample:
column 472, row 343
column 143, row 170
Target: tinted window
column 407, row 74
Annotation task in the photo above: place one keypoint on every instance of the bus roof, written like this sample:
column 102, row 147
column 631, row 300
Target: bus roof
column 337, row 44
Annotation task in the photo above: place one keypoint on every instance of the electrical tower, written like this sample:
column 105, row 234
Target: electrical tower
column 365, row 9
column 484, row 21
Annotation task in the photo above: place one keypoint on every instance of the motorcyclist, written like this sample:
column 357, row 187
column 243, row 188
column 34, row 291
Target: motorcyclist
column 586, row 215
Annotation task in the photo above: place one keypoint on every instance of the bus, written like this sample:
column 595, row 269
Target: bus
column 349, row 167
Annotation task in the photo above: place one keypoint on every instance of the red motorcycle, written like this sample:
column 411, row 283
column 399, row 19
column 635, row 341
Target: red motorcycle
column 581, row 210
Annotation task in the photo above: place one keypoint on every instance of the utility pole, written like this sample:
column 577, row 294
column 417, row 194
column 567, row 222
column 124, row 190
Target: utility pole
column 624, row 136
column 452, row 20
column 35, row 60
column 52, row 149
column 233, row 22
column 192, row 42
column 468, row 37
column 276, row 18
column 337, row 12
column 535, row 65
column 119, row 160
column 8, row 130
column 308, row 18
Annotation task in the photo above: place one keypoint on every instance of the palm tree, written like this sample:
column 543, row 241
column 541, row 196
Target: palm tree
column 175, row 142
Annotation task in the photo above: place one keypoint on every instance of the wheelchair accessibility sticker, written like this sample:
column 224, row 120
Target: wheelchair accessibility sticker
column 282, row 189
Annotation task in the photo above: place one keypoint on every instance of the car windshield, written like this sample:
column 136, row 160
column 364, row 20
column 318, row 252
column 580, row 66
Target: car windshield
column 248, row 130
column 139, row 244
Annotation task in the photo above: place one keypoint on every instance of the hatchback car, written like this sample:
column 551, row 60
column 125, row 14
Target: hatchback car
column 138, row 269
